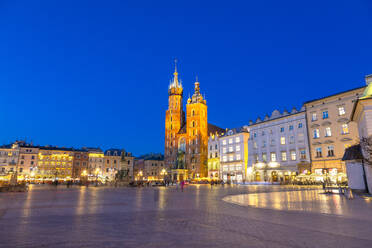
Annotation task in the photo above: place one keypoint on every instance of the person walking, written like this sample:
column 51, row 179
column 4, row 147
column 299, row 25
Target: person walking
column 182, row 185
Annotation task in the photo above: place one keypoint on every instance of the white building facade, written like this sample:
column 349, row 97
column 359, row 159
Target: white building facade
column 234, row 155
column 278, row 146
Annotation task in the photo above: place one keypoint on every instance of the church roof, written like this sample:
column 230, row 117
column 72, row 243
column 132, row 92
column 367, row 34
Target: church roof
column 182, row 129
column 214, row 129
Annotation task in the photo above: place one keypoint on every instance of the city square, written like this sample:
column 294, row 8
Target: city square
column 200, row 216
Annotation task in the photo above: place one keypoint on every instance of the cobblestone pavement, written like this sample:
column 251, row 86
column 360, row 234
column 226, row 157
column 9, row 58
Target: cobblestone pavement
column 201, row 216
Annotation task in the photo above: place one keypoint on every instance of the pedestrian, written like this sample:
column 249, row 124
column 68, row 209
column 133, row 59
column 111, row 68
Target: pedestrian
column 182, row 185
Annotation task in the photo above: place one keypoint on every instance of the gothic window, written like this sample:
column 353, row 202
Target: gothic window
column 193, row 113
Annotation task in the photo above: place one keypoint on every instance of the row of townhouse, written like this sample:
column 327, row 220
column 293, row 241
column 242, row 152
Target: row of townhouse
column 279, row 147
column 31, row 162
column 150, row 167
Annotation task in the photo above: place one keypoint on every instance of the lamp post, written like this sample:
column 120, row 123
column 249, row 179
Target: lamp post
column 97, row 172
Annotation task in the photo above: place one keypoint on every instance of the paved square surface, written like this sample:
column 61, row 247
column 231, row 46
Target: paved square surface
column 201, row 216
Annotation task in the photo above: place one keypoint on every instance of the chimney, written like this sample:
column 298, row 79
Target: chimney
column 368, row 79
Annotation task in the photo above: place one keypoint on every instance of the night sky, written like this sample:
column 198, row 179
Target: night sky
column 96, row 73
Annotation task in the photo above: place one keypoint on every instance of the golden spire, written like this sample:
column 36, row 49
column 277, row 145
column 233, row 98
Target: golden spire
column 175, row 73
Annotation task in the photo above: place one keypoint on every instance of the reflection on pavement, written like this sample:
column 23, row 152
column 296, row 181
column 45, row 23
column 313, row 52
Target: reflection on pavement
column 310, row 200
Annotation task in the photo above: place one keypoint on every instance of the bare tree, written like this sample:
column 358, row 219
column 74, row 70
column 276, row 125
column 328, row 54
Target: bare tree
column 366, row 146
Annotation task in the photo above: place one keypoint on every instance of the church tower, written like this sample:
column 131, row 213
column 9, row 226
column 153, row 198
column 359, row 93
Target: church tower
column 174, row 120
column 197, row 133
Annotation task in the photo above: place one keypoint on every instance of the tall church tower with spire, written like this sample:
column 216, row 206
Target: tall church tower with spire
column 174, row 120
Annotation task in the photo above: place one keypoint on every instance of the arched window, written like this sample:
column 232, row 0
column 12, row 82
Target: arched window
column 193, row 124
column 192, row 112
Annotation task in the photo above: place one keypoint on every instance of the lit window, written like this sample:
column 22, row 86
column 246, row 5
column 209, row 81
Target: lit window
column 341, row 110
column 300, row 125
column 345, row 129
column 302, row 154
column 290, row 127
column 331, row 151
column 318, row 151
column 225, row 168
column 224, row 142
column 314, row 117
column 328, row 132
column 284, row 156
column 264, row 157
column 273, row 157
column 316, row 133
column 293, row 155
column 282, row 140
column 238, row 167
column 224, row 150
column 237, row 139
column 256, row 158
column 230, row 141
column 231, row 157
column 237, row 148
column 224, row 158
column 230, row 148
column 325, row 114
column 238, row 157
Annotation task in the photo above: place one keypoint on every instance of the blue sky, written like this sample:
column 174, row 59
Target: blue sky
column 95, row 73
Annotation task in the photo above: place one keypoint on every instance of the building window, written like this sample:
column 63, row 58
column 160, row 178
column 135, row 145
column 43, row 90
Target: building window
column 293, row 155
column 230, row 141
column 255, row 144
column 237, row 148
column 264, row 157
column 238, row 157
column 328, row 132
column 284, row 156
column 224, row 142
column 302, row 154
column 282, row 140
column 224, row 158
column 20, row 169
column 316, row 133
column 210, row 148
column 290, row 127
column 237, row 139
column 224, row 150
column 255, row 135
column 264, row 143
column 263, row 133
column 215, row 155
column 345, row 129
column 22, row 162
column 282, row 129
column 231, row 157
column 216, row 146
column 325, row 114
column 210, row 155
column 318, row 151
column 331, row 151
column 341, row 110
column 314, row 117
column 230, row 148
column 300, row 125
column 273, row 157
column 256, row 158
column 291, row 139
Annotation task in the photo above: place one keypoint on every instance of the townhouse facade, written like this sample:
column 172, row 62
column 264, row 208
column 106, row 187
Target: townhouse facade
column 278, row 146
column 234, row 155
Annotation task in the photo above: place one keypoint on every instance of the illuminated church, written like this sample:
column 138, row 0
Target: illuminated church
column 186, row 134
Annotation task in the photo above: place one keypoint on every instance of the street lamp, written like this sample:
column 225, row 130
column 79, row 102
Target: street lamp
column 97, row 172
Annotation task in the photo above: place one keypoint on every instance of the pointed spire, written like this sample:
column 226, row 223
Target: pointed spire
column 175, row 75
